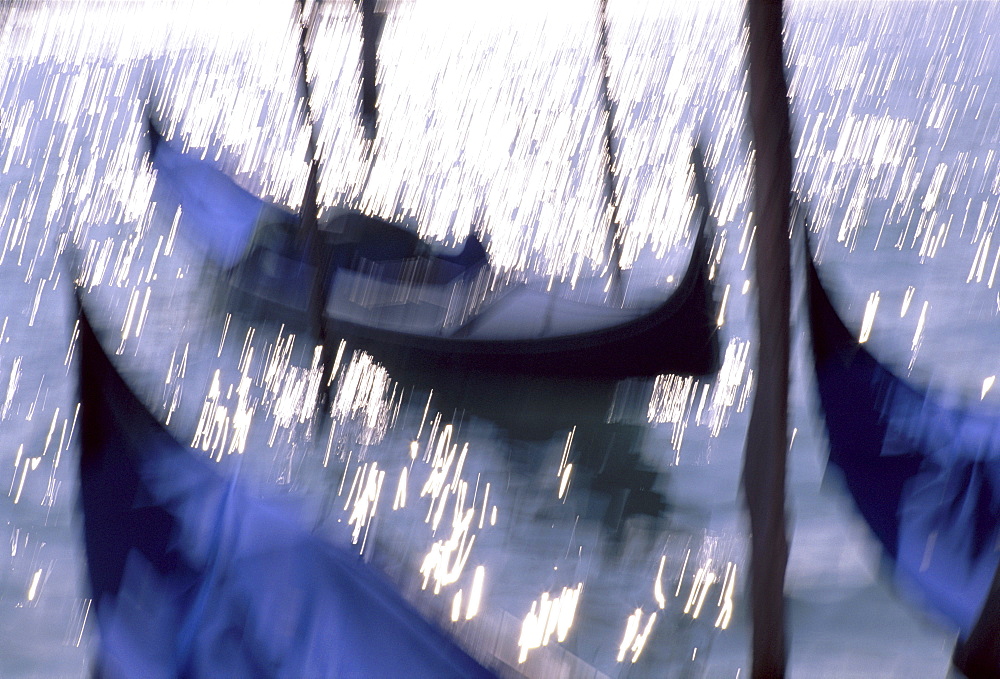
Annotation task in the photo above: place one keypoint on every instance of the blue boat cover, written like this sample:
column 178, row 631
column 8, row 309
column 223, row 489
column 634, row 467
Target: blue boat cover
column 193, row 577
column 925, row 477
column 218, row 214
column 221, row 218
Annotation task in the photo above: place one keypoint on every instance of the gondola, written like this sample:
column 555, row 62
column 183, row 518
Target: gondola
column 925, row 477
column 533, row 329
column 192, row 576
column 370, row 280
column 388, row 292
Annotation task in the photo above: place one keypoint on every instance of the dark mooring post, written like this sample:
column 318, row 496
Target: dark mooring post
column 767, row 436
column 612, row 197
column 310, row 198
column 372, row 23
column 309, row 236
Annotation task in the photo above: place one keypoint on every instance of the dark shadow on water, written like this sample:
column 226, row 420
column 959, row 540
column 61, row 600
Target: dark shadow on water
column 528, row 411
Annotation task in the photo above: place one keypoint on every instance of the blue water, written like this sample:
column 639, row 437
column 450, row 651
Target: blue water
column 491, row 116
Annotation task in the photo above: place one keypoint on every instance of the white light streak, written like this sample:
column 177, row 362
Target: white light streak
column 211, row 432
column 129, row 315
column 83, row 624
column 918, row 332
column 633, row 640
column 661, row 600
column 476, row 595
column 27, row 462
column 907, row 298
column 365, row 398
column 565, row 467
column 979, row 261
column 703, row 580
column 446, row 559
column 869, row 318
column 242, row 417
column 72, row 345
column 482, row 514
column 52, row 429
column 721, row 320
column 12, row 383
column 671, row 402
column 399, row 499
column 36, row 302
column 33, row 587
column 680, row 578
column 366, row 501
column 564, row 480
column 731, row 374
column 142, row 314
column 548, row 617
column 17, row 462
column 726, row 598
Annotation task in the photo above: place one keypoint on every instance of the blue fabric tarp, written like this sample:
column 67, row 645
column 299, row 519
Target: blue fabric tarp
column 926, row 477
column 193, row 577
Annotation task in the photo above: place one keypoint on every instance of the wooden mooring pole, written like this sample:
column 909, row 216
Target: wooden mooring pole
column 767, row 436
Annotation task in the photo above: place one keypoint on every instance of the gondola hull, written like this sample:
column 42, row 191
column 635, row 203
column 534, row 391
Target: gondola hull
column 925, row 477
column 191, row 576
column 680, row 335
column 271, row 269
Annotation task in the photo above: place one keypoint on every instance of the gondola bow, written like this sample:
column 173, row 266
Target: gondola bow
column 193, row 577
column 925, row 477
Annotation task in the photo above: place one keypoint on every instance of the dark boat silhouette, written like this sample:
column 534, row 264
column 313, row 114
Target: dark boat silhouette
column 925, row 477
column 371, row 280
column 191, row 576
column 388, row 291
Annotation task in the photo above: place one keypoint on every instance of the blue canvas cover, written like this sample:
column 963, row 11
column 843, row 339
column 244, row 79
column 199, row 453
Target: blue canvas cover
column 193, row 577
column 217, row 213
column 925, row 477
column 223, row 220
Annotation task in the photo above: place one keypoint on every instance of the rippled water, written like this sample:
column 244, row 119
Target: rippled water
column 619, row 501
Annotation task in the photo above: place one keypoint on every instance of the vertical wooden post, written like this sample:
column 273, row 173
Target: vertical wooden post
column 371, row 32
column 309, row 236
column 611, row 195
column 767, row 436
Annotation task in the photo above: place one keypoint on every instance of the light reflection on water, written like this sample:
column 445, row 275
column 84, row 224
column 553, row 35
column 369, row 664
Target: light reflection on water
column 485, row 493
